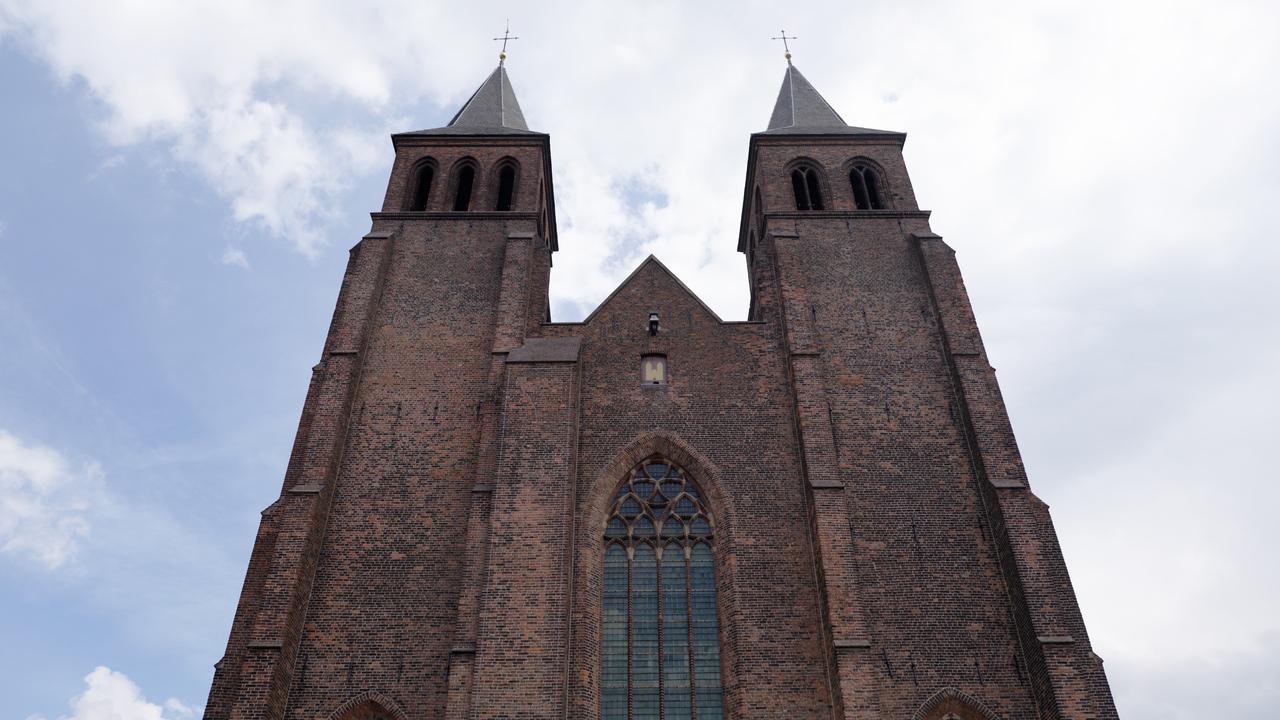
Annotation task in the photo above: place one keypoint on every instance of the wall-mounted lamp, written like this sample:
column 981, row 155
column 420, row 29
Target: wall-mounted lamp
column 653, row 323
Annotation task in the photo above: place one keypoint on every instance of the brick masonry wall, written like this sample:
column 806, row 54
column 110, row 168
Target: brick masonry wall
column 937, row 601
column 372, row 558
column 724, row 415
column 437, row 548
column 383, row 608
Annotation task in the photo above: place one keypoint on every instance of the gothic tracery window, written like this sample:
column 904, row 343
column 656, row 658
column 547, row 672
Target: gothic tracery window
column 866, row 187
column 661, row 639
column 808, row 191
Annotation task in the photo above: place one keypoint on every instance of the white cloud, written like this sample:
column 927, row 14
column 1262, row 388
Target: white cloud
column 200, row 77
column 44, row 501
column 235, row 257
column 111, row 695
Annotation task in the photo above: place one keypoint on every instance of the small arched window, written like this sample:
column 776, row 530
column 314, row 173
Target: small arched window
column 422, row 187
column 506, row 187
column 462, row 193
column 661, row 639
column 866, row 187
column 804, row 182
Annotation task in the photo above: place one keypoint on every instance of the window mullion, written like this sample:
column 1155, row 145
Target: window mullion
column 662, row 695
column 630, row 679
column 688, row 612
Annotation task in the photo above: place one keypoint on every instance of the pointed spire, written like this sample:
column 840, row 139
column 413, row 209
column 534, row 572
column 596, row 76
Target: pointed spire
column 800, row 105
column 493, row 105
column 801, row 109
column 491, row 110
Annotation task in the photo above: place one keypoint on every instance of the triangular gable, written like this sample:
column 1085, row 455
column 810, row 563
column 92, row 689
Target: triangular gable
column 651, row 260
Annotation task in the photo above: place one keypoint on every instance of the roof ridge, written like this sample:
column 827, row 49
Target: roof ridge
column 791, row 91
column 502, row 96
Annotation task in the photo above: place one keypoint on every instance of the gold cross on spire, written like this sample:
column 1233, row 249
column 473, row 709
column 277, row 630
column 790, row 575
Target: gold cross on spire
column 784, row 37
column 506, row 35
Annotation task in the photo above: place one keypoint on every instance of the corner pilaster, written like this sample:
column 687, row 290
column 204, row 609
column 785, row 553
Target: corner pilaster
column 846, row 632
column 523, row 626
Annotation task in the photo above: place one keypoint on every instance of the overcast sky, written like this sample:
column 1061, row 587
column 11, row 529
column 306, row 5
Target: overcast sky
column 180, row 182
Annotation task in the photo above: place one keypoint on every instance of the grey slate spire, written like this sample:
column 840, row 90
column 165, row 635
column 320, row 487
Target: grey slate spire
column 492, row 110
column 802, row 110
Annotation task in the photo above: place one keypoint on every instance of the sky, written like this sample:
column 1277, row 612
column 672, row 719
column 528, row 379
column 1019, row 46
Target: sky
column 180, row 182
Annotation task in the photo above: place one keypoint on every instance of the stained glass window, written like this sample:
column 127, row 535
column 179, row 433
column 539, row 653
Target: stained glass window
column 661, row 638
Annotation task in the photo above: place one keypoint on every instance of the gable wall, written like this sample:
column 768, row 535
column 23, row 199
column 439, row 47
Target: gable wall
column 726, row 400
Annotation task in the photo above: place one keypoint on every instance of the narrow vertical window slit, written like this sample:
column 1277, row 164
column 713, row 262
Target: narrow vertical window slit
column 462, row 198
column 422, row 188
column 801, row 191
column 873, row 189
column 506, row 188
column 815, row 192
column 859, row 189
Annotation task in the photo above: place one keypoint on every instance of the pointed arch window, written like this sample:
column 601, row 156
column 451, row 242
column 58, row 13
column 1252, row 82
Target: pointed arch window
column 866, row 187
column 808, row 191
column 661, row 639
column 462, row 192
column 506, row 187
column 422, row 187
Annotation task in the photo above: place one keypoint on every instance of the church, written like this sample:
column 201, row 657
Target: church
column 819, row 512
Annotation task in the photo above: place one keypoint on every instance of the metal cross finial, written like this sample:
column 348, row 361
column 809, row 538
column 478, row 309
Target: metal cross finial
column 784, row 37
column 506, row 35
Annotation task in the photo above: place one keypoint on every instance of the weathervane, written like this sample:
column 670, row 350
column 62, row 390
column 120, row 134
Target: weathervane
column 784, row 37
column 506, row 35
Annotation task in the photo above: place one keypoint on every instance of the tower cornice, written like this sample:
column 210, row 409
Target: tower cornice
column 869, row 138
column 844, row 214
column 468, row 215
column 465, row 138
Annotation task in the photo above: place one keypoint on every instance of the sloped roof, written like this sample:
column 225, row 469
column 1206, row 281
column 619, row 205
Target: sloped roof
column 801, row 110
column 491, row 110
column 652, row 262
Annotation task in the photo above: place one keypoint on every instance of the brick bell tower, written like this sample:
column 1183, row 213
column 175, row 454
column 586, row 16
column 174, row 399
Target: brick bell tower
column 940, row 567
column 818, row 513
column 364, row 577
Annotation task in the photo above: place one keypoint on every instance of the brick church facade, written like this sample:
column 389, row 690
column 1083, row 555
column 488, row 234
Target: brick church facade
column 818, row 512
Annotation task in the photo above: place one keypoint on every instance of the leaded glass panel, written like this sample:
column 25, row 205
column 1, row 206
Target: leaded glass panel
column 613, row 684
column 644, row 634
column 661, row 650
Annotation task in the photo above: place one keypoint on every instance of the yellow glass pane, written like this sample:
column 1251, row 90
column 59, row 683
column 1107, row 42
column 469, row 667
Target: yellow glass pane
column 653, row 370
